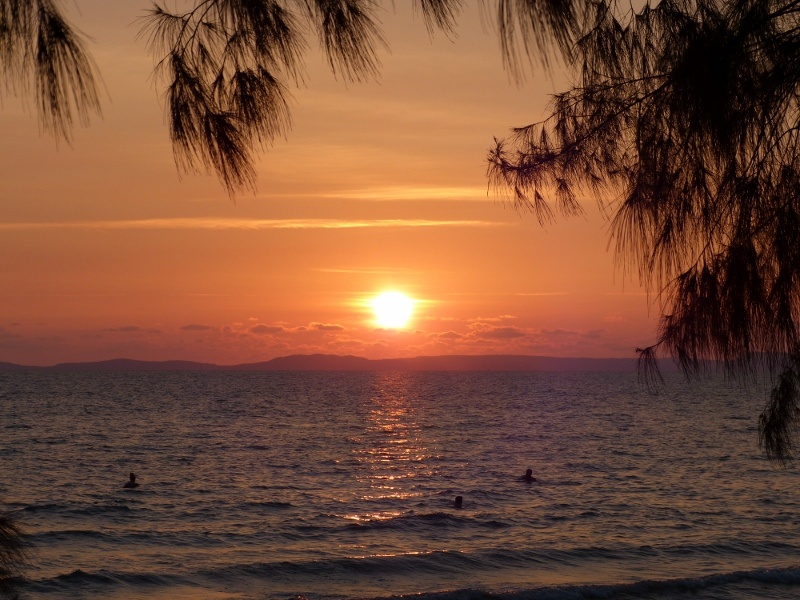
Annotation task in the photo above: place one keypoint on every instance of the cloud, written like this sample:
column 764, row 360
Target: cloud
column 497, row 319
column 559, row 332
column 500, row 333
column 196, row 327
column 447, row 335
column 413, row 193
column 132, row 329
column 529, row 294
column 366, row 270
column 6, row 334
column 483, row 329
column 595, row 334
column 246, row 224
column 326, row 326
column 264, row 329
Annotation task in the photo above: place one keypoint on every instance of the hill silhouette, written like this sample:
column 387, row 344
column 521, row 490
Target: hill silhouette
column 331, row 362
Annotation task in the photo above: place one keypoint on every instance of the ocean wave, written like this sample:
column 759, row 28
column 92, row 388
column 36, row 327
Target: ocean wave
column 425, row 520
column 410, row 520
column 80, row 580
column 736, row 547
column 44, row 507
column 47, row 537
column 757, row 583
column 407, row 564
column 137, row 539
column 82, row 510
column 343, row 567
column 621, row 552
column 270, row 504
column 458, row 562
column 710, row 586
column 18, row 426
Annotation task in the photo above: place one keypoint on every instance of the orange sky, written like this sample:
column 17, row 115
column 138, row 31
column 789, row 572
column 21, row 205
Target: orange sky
column 106, row 251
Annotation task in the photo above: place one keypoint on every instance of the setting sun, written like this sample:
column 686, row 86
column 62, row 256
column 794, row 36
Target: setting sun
column 392, row 309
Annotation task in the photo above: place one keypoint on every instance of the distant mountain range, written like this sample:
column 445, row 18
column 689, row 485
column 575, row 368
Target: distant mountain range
column 330, row 362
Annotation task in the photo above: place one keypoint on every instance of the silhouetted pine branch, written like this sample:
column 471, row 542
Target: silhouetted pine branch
column 13, row 556
column 684, row 127
column 228, row 64
column 40, row 54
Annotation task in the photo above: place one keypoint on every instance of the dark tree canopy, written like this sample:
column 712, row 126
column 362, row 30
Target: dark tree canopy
column 228, row 64
column 14, row 550
column 682, row 124
column 41, row 53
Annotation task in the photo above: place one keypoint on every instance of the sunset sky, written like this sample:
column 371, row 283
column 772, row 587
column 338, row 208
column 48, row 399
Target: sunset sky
column 107, row 251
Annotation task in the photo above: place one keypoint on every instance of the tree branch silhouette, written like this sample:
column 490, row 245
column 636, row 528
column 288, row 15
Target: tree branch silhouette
column 41, row 55
column 13, row 556
column 684, row 128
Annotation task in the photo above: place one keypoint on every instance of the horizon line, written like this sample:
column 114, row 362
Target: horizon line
column 348, row 362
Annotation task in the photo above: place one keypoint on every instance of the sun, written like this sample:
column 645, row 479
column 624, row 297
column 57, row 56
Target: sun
column 392, row 309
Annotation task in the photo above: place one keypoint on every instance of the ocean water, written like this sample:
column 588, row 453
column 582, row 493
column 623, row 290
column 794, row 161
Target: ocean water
column 341, row 485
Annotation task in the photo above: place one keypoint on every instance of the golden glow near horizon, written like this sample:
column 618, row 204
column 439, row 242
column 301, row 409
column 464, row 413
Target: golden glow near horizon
column 108, row 251
column 392, row 310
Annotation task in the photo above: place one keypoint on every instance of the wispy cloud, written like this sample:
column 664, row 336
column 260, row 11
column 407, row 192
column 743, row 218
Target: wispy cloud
column 530, row 294
column 245, row 224
column 132, row 329
column 496, row 319
column 197, row 327
column 413, row 193
column 326, row 326
column 263, row 329
column 367, row 270
column 500, row 333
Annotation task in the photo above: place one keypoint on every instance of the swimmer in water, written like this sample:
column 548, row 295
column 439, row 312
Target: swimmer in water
column 459, row 502
column 131, row 483
column 528, row 476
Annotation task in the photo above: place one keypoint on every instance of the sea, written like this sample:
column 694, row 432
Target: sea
column 335, row 485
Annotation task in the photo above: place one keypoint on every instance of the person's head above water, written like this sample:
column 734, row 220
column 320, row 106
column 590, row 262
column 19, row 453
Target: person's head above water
column 459, row 502
column 528, row 473
column 131, row 483
column 528, row 476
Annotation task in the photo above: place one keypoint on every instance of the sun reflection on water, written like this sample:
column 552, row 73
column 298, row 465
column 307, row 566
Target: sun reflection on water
column 369, row 517
column 393, row 453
